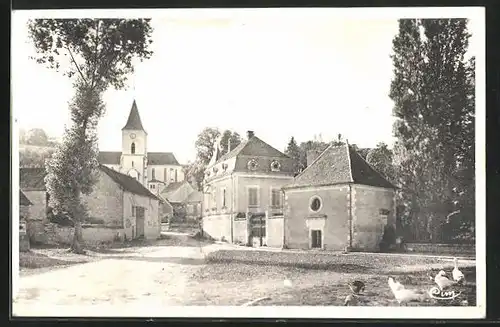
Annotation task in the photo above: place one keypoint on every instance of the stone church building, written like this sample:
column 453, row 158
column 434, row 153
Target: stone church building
column 155, row 170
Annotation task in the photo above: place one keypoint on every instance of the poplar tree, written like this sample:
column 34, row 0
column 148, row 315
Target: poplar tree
column 95, row 54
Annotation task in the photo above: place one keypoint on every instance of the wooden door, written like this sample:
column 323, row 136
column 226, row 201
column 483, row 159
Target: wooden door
column 139, row 217
column 316, row 242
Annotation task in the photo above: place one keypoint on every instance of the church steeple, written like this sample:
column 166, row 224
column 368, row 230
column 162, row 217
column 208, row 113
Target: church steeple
column 134, row 120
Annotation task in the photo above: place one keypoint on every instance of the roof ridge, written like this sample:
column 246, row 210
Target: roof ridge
column 349, row 161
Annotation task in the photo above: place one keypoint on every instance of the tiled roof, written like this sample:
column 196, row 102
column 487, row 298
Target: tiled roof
column 173, row 187
column 109, row 157
column 134, row 120
column 154, row 158
column 253, row 147
column 23, row 199
column 154, row 180
column 32, row 179
column 128, row 183
column 339, row 165
column 196, row 196
column 162, row 158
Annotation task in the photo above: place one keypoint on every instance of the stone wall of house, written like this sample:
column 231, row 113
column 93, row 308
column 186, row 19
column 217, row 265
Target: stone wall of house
column 218, row 227
column 264, row 185
column 332, row 218
column 38, row 211
column 152, row 218
column 105, row 202
column 92, row 235
column 373, row 208
column 274, row 231
column 240, row 231
column 24, row 212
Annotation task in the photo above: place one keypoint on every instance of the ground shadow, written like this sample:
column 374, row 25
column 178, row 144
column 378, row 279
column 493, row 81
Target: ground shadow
column 177, row 260
column 33, row 260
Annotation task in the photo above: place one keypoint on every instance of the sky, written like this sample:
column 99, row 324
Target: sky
column 279, row 75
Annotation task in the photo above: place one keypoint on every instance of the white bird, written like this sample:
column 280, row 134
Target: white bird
column 404, row 295
column 458, row 276
column 442, row 281
column 287, row 283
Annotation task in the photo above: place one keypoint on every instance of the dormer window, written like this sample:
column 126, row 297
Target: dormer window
column 252, row 164
column 215, row 169
column 224, row 166
column 275, row 166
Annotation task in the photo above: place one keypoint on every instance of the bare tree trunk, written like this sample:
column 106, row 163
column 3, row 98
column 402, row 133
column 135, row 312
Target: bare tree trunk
column 77, row 245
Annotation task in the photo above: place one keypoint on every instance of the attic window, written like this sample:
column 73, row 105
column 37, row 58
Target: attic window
column 275, row 166
column 216, row 170
column 252, row 164
column 224, row 166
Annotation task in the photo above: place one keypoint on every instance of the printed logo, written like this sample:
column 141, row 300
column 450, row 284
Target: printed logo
column 438, row 294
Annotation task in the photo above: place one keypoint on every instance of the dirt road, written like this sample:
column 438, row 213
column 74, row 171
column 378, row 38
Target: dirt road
column 154, row 276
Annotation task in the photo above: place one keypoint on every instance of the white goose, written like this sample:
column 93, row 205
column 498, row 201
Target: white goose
column 458, row 276
column 442, row 281
column 404, row 295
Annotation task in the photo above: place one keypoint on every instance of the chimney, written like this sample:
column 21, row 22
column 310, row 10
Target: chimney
column 250, row 134
column 311, row 156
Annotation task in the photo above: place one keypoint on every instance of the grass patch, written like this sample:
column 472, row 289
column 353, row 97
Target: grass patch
column 346, row 263
column 320, row 279
column 34, row 260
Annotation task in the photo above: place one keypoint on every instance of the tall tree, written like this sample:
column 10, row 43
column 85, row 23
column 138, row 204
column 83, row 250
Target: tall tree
column 229, row 138
column 380, row 158
column 293, row 151
column 310, row 146
column 204, row 151
column 37, row 136
column 95, row 54
column 432, row 91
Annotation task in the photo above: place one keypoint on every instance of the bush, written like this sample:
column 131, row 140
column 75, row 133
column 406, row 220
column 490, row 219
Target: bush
column 59, row 219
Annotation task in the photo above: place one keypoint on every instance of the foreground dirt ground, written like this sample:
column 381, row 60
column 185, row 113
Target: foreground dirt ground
column 177, row 273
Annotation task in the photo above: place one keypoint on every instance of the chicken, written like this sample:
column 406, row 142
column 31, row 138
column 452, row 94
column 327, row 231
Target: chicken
column 357, row 286
column 442, row 281
column 404, row 295
column 458, row 276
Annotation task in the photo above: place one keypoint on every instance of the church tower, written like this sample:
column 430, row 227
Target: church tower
column 134, row 147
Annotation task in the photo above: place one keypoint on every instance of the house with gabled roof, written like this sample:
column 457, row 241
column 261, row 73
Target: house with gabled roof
column 155, row 170
column 242, row 195
column 118, row 207
column 338, row 202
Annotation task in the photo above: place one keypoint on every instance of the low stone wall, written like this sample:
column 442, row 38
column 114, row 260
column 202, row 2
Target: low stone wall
column 240, row 231
column 274, row 231
column 441, row 248
column 35, row 229
column 92, row 234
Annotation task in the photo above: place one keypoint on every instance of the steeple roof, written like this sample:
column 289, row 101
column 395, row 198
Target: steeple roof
column 134, row 120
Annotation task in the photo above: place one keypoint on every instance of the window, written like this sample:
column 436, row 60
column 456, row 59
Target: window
column 252, row 164
column 132, row 163
column 152, row 186
column 316, row 242
column 223, row 198
column 164, row 174
column 276, row 198
column 315, row 204
column 253, row 200
column 176, row 175
column 214, row 198
column 275, row 166
column 132, row 148
column 133, row 211
column 153, row 173
column 195, row 209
